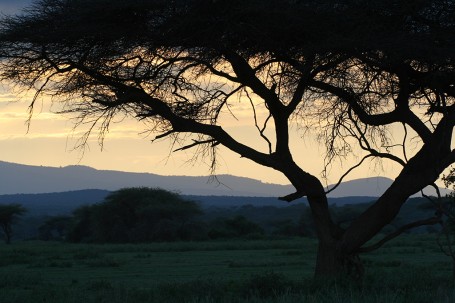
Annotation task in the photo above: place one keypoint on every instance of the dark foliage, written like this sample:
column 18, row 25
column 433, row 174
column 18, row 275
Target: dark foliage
column 234, row 227
column 55, row 228
column 9, row 214
column 136, row 215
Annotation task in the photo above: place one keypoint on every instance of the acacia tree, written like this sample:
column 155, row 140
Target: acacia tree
column 9, row 213
column 140, row 215
column 349, row 70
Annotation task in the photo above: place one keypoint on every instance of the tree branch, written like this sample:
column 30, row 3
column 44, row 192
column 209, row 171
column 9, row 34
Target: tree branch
column 365, row 144
column 302, row 84
column 399, row 231
column 260, row 130
column 401, row 115
column 246, row 74
column 347, row 173
column 196, row 143
column 292, row 197
column 163, row 135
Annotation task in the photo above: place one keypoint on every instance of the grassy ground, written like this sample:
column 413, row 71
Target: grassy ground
column 410, row 269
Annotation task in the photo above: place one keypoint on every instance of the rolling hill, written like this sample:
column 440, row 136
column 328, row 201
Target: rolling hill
column 63, row 203
column 27, row 179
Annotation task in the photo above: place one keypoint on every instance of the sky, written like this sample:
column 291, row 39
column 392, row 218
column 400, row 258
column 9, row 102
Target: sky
column 13, row 6
column 50, row 141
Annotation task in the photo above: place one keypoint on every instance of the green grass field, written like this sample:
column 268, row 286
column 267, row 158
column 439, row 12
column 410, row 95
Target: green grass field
column 409, row 269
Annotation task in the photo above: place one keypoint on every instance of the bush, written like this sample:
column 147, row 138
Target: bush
column 136, row 215
column 235, row 227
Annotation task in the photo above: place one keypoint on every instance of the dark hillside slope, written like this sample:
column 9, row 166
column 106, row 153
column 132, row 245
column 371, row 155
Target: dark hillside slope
column 62, row 203
column 28, row 179
column 51, row 204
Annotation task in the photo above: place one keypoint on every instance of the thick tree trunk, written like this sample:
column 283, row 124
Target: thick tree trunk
column 339, row 248
column 339, row 256
column 333, row 264
column 328, row 263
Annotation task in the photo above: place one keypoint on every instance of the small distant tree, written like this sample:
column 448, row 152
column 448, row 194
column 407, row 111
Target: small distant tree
column 9, row 213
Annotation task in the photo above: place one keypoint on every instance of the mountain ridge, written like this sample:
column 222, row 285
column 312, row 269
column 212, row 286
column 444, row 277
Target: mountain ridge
column 28, row 179
column 64, row 203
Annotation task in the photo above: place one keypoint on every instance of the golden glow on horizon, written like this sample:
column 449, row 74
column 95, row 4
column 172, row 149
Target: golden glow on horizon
column 52, row 138
column 51, row 141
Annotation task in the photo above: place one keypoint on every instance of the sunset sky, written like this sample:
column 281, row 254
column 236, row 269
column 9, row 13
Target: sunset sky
column 50, row 141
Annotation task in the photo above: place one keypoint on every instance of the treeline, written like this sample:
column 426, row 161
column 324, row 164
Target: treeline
column 135, row 215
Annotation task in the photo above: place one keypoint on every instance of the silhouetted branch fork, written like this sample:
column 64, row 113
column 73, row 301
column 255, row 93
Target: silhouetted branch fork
column 399, row 231
column 261, row 130
column 387, row 156
column 438, row 192
column 196, row 143
column 405, row 116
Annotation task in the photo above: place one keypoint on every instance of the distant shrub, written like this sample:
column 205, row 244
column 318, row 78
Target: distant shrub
column 235, row 227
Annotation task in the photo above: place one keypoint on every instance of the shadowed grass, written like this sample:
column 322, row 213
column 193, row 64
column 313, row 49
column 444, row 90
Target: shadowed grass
column 280, row 270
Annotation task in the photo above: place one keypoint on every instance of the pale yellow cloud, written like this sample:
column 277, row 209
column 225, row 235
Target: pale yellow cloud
column 7, row 98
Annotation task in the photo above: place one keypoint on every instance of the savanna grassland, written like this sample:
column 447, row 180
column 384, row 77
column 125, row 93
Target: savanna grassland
column 409, row 269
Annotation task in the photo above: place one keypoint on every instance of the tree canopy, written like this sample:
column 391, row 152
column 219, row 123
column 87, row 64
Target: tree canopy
column 349, row 70
column 134, row 215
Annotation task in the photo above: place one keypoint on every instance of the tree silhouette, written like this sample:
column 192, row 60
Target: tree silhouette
column 135, row 215
column 349, row 70
column 9, row 213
